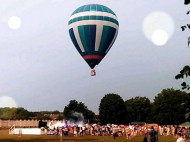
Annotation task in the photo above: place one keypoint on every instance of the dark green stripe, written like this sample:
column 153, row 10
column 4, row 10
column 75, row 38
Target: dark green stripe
column 72, row 35
column 93, row 53
column 107, row 37
column 88, row 35
column 93, row 17
column 84, row 39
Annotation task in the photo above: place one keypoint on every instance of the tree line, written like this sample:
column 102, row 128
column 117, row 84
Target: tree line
column 170, row 106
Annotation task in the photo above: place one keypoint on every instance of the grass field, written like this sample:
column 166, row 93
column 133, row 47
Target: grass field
column 5, row 137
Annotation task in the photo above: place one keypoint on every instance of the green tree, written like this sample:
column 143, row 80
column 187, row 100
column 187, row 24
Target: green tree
column 169, row 107
column 42, row 116
column 7, row 113
column 76, row 110
column 60, row 117
column 56, row 112
column 138, row 109
column 22, row 113
column 112, row 109
column 14, row 113
column 184, row 73
column 91, row 117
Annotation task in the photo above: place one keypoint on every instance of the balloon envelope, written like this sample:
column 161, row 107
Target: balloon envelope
column 93, row 29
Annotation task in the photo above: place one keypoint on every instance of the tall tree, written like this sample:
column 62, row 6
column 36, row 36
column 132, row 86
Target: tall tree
column 112, row 109
column 14, row 113
column 22, row 113
column 42, row 116
column 7, row 113
column 169, row 107
column 77, row 110
column 138, row 109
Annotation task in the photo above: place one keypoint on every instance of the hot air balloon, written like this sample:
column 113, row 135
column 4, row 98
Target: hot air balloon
column 93, row 29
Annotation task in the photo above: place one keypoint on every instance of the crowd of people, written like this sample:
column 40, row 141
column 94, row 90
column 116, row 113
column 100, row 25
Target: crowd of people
column 149, row 131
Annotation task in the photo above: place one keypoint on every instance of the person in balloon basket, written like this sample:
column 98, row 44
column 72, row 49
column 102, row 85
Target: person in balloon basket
column 153, row 135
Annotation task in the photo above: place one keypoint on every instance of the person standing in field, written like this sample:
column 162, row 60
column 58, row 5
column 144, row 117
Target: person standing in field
column 128, row 132
column 60, row 133
column 180, row 138
column 75, row 131
column 153, row 136
column 146, row 132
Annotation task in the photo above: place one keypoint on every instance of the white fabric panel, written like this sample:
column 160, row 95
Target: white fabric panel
column 76, row 33
column 93, row 22
column 90, row 13
column 99, row 29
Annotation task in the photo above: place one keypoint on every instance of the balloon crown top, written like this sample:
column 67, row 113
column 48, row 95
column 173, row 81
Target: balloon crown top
column 93, row 7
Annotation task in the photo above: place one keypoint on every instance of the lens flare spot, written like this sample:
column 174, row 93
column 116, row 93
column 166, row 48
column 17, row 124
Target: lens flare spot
column 6, row 101
column 14, row 22
column 156, row 24
column 159, row 37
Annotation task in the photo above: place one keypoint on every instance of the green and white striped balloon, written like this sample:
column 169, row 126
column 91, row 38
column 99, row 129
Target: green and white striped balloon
column 93, row 29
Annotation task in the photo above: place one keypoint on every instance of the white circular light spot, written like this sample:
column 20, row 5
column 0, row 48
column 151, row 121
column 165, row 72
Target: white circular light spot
column 14, row 22
column 6, row 101
column 159, row 37
column 158, row 20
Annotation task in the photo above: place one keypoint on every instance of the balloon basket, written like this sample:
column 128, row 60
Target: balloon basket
column 93, row 73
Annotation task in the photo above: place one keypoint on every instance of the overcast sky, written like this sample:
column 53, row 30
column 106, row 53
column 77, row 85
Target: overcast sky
column 40, row 69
